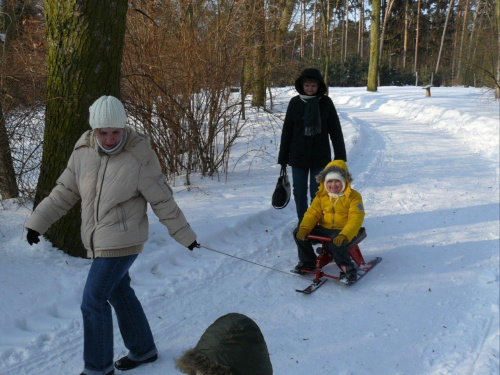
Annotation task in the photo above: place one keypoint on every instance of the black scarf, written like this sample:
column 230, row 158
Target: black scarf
column 312, row 117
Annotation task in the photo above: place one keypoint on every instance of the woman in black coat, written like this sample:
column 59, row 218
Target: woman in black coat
column 311, row 122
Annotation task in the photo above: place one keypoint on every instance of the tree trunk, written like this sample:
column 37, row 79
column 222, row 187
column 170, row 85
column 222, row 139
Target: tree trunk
column 405, row 43
column 469, row 61
column 462, row 38
column 374, row 46
column 326, row 19
column 444, row 34
column 456, row 36
column 361, row 28
column 475, row 43
column 302, row 28
column 314, row 29
column 8, row 183
column 85, row 41
column 387, row 13
column 346, row 28
column 497, row 90
column 248, row 61
column 259, row 87
column 417, row 39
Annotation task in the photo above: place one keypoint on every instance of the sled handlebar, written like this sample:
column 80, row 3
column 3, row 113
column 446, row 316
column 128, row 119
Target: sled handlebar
column 319, row 238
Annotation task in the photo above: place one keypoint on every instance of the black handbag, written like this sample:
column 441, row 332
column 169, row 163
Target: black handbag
column 283, row 191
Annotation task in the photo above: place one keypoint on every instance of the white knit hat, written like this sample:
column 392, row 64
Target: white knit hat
column 107, row 112
column 335, row 176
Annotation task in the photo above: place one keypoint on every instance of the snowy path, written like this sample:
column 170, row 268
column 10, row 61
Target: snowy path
column 431, row 307
column 417, row 188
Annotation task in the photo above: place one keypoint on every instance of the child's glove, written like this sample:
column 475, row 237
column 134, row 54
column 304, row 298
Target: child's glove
column 302, row 234
column 339, row 240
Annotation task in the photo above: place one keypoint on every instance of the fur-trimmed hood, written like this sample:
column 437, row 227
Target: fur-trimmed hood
column 344, row 212
column 335, row 166
column 232, row 345
column 314, row 74
column 193, row 362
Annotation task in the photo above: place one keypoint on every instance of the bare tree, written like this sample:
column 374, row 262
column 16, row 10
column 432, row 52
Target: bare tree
column 22, row 88
column 186, row 107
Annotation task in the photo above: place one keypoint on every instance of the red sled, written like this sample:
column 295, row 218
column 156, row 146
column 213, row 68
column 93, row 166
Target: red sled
column 325, row 257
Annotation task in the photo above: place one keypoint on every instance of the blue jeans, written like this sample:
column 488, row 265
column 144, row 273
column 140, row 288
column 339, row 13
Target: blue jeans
column 300, row 177
column 108, row 283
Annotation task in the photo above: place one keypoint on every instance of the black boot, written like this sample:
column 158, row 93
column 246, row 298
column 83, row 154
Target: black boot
column 125, row 363
column 351, row 274
column 112, row 372
column 300, row 267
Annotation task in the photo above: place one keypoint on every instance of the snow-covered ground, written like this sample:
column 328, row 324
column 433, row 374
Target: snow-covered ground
column 428, row 170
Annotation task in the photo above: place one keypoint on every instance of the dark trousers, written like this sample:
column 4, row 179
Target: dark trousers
column 306, row 252
column 301, row 178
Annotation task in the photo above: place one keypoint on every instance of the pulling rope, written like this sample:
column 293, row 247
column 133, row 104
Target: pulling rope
column 249, row 261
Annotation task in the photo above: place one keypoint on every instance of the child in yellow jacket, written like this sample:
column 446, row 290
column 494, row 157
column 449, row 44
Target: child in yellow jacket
column 336, row 212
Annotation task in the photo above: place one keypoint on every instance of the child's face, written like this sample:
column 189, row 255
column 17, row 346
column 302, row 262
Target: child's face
column 334, row 186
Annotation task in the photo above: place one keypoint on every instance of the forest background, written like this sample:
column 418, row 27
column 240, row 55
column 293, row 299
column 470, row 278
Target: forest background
column 174, row 63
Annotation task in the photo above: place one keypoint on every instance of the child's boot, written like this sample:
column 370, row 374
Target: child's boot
column 351, row 274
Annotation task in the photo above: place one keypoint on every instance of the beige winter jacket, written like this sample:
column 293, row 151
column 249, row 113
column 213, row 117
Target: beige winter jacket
column 114, row 190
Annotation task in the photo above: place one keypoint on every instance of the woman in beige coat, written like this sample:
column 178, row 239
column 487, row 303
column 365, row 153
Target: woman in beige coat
column 115, row 173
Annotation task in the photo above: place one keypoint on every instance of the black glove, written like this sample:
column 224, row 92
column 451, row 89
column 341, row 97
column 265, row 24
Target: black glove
column 32, row 236
column 193, row 245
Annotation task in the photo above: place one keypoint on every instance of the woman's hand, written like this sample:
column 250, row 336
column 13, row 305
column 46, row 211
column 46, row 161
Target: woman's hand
column 193, row 245
column 33, row 236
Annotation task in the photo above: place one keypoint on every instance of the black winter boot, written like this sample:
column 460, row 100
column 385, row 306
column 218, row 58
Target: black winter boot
column 351, row 274
column 300, row 267
column 125, row 363
column 112, row 372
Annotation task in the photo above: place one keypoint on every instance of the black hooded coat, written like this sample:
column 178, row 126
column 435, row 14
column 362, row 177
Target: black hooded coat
column 232, row 345
column 299, row 150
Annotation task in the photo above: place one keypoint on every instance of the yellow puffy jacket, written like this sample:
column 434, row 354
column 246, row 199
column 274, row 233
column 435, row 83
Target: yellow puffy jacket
column 345, row 213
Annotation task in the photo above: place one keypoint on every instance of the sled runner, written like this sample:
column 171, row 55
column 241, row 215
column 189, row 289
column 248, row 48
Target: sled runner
column 325, row 257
